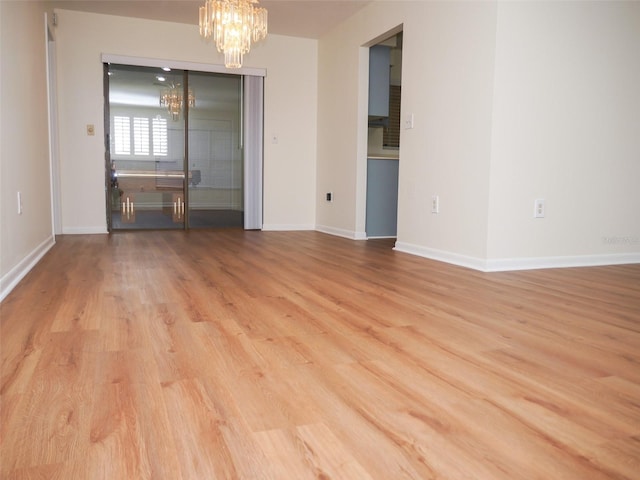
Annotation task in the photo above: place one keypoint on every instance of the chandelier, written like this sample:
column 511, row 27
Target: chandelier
column 234, row 24
column 173, row 98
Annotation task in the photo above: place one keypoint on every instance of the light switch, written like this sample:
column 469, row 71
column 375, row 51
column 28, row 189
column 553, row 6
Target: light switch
column 91, row 131
column 408, row 121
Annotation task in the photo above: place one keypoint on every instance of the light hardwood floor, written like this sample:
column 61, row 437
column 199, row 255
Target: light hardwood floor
column 271, row 355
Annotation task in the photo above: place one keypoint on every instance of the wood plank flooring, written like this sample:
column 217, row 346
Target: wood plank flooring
column 297, row 355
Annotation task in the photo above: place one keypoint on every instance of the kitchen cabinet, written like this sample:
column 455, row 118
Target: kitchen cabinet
column 379, row 80
column 382, row 197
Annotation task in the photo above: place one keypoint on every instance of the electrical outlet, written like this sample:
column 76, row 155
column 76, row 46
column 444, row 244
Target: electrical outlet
column 538, row 208
column 435, row 204
column 329, row 197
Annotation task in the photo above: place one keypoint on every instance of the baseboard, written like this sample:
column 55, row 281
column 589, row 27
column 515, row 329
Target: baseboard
column 84, row 230
column 339, row 232
column 524, row 263
column 275, row 227
column 442, row 256
column 509, row 264
column 9, row 281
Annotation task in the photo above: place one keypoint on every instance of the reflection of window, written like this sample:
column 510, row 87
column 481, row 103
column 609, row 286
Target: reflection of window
column 140, row 136
column 159, row 133
column 144, row 139
column 122, row 134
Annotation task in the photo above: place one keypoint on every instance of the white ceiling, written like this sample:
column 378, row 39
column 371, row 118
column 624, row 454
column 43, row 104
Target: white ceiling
column 298, row 18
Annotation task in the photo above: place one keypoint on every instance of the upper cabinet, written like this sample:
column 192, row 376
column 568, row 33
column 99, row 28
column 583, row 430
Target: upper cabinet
column 379, row 80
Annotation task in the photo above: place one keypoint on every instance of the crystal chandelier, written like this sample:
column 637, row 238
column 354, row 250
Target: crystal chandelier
column 234, row 24
column 173, row 98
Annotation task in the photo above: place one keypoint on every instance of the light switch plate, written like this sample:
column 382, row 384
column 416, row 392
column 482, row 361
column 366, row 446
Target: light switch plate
column 435, row 204
column 408, row 121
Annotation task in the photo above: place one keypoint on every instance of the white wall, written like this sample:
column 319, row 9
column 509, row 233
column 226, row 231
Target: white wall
column 447, row 83
column 566, row 128
column 290, row 110
column 338, row 117
column 290, row 115
column 512, row 101
column 24, row 137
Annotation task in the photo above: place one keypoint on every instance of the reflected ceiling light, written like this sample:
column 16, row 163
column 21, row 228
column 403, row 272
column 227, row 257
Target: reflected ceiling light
column 234, row 24
column 173, row 98
column 166, row 69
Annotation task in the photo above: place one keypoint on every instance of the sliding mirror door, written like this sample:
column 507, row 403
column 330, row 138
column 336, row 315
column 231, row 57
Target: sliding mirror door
column 146, row 125
column 157, row 181
column 215, row 152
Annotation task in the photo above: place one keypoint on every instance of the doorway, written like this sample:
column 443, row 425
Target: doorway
column 385, row 80
column 174, row 148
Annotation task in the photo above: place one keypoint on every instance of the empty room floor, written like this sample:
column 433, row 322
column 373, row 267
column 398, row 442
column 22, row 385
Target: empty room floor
column 291, row 355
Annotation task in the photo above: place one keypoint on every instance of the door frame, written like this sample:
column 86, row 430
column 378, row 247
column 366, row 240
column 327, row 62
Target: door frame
column 54, row 153
column 363, row 106
column 254, row 143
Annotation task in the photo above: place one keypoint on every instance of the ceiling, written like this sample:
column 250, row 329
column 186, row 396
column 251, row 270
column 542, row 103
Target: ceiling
column 298, row 18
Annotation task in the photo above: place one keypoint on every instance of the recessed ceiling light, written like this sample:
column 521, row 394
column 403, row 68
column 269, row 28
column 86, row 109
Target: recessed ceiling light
column 166, row 69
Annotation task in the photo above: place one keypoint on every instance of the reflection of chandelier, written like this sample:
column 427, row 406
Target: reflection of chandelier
column 234, row 24
column 172, row 98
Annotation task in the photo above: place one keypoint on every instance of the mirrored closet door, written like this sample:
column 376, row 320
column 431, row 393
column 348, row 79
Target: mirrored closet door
column 175, row 156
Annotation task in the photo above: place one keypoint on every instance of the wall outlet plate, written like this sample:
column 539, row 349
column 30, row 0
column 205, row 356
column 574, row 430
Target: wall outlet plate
column 538, row 208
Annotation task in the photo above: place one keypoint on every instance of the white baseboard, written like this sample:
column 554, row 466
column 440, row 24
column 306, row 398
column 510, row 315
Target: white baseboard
column 441, row 255
column 524, row 263
column 339, row 232
column 9, row 281
column 508, row 264
column 84, row 230
column 275, row 227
